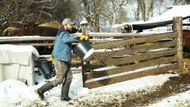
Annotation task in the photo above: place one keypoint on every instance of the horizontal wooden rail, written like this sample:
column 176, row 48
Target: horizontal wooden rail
column 128, row 42
column 130, row 67
column 120, row 78
column 133, row 49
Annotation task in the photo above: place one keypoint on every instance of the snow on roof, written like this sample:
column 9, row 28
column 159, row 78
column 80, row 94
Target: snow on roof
column 182, row 10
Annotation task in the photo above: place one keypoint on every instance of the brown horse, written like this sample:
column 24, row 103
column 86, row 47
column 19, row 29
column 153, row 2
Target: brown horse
column 27, row 29
column 186, row 40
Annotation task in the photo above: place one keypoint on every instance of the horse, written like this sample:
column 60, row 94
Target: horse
column 186, row 42
column 27, row 29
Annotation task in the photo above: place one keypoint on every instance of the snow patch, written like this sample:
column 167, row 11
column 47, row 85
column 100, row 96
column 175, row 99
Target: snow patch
column 15, row 92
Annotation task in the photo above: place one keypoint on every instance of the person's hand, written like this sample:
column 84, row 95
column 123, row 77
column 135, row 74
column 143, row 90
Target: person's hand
column 86, row 37
column 83, row 37
column 50, row 59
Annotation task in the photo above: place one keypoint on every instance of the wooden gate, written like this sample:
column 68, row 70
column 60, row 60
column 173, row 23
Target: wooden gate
column 138, row 56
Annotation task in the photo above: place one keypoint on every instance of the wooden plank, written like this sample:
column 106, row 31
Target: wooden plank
column 159, row 61
column 116, row 79
column 35, row 44
column 134, row 49
column 116, row 35
column 133, row 41
column 103, row 40
column 135, row 58
column 90, row 67
column 141, row 57
column 25, row 38
column 178, row 33
column 101, row 35
column 152, row 46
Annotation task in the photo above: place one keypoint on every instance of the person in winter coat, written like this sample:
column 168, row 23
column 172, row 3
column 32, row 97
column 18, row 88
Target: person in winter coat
column 62, row 54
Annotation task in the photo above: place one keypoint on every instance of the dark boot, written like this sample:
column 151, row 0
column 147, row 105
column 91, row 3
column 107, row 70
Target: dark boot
column 65, row 91
column 43, row 89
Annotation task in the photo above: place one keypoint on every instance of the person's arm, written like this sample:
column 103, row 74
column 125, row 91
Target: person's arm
column 70, row 39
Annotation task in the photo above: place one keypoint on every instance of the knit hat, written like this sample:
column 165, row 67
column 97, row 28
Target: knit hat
column 67, row 21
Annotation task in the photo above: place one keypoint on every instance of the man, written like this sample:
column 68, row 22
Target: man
column 62, row 59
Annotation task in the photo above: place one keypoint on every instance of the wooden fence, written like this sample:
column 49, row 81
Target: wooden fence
column 142, row 55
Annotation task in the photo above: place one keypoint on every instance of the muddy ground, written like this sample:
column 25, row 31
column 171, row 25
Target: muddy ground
column 172, row 87
column 142, row 98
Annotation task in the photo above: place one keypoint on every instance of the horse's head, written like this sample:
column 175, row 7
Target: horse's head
column 30, row 28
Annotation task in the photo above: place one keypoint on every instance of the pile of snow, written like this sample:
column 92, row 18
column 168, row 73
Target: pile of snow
column 15, row 92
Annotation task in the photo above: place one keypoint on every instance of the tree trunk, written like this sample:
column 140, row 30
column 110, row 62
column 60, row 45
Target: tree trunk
column 92, row 15
column 146, row 7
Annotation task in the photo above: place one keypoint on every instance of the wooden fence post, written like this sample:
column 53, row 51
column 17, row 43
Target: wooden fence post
column 177, row 27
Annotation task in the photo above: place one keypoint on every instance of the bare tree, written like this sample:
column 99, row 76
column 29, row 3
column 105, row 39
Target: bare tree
column 117, row 10
column 17, row 12
column 177, row 2
column 112, row 11
column 145, row 8
column 92, row 10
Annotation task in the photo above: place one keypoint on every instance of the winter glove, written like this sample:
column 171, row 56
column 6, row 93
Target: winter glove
column 86, row 38
column 50, row 59
column 83, row 37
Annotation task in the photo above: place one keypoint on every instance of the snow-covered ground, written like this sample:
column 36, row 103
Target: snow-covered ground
column 14, row 93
